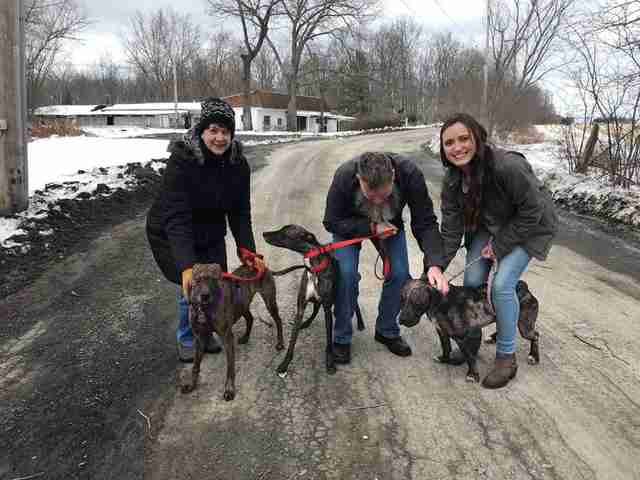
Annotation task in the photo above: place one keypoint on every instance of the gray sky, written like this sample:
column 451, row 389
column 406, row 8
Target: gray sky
column 110, row 19
column 464, row 18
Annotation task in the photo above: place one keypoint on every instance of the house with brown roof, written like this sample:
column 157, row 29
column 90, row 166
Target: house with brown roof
column 269, row 112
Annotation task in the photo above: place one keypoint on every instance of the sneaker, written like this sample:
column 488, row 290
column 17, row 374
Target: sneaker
column 396, row 345
column 342, row 353
column 185, row 353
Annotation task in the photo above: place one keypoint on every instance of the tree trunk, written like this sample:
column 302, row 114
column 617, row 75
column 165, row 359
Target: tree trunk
column 247, row 123
column 583, row 163
column 292, row 110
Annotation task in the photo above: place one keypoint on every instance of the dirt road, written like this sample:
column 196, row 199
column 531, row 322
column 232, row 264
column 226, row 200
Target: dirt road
column 87, row 358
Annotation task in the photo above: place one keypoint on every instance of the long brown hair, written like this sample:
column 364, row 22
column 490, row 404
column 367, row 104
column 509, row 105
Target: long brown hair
column 473, row 198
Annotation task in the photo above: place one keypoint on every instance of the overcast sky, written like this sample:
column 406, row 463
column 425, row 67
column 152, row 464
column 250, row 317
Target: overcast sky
column 110, row 19
column 464, row 18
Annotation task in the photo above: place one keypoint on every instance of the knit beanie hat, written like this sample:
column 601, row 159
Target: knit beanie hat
column 216, row 110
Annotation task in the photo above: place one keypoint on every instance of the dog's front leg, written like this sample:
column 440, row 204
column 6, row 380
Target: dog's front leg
column 328, row 320
column 445, row 343
column 195, row 370
column 302, row 303
column 248, row 317
column 472, row 373
column 229, row 346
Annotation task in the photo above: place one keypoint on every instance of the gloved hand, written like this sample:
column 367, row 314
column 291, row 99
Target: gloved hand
column 258, row 264
column 252, row 260
column 187, row 278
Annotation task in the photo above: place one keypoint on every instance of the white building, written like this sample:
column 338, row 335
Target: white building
column 151, row 115
column 269, row 112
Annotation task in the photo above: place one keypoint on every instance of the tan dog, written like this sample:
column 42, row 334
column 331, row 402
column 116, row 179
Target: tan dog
column 216, row 304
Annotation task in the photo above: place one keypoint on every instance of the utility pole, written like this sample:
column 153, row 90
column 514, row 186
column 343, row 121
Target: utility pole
column 485, row 94
column 14, row 191
column 175, row 92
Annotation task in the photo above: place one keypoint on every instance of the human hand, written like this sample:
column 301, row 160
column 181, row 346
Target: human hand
column 437, row 279
column 258, row 264
column 487, row 252
column 252, row 260
column 187, row 278
column 384, row 230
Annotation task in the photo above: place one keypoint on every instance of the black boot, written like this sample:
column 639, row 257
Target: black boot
column 472, row 345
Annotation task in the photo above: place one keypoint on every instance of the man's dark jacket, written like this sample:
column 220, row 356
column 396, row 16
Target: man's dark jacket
column 187, row 222
column 344, row 219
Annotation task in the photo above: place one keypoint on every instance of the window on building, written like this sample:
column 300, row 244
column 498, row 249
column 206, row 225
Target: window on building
column 266, row 122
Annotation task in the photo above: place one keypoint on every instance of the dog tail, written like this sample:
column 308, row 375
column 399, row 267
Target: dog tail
column 279, row 273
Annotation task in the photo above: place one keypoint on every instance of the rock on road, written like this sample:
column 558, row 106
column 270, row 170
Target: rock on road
column 576, row 415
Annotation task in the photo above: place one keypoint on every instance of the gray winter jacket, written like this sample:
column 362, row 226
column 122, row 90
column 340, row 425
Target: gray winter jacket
column 516, row 208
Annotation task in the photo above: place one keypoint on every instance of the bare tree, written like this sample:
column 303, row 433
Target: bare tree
column 48, row 24
column 267, row 74
column 309, row 20
column 608, row 78
column 216, row 69
column 159, row 42
column 255, row 16
column 523, row 36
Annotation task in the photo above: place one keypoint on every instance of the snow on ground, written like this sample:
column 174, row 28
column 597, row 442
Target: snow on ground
column 587, row 194
column 56, row 158
column 126, row 132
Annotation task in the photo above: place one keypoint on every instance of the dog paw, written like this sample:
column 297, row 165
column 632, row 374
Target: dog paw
column 442, row 359
column 279, row 346
column 229, row 395
column 531, row 360
column 473, row 377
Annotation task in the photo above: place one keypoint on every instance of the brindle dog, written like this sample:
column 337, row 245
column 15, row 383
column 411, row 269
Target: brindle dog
column 216, row 304
column 462, row 309
column 317, row 288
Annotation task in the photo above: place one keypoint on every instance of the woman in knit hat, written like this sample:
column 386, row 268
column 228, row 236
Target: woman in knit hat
column 206, row 183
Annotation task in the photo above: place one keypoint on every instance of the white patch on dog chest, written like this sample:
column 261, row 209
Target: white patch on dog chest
column 312, row 289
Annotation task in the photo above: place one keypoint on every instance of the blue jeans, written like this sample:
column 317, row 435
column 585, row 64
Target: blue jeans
column 347, row 288
column 503, row 294
column 183, row 333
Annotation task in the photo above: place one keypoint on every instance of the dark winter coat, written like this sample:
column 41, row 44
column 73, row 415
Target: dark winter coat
column 187, row 222
column 516, row 208
column 343, row 218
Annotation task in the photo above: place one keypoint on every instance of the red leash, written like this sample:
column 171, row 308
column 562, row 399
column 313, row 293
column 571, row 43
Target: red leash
column 341, row 244
column 246, row 254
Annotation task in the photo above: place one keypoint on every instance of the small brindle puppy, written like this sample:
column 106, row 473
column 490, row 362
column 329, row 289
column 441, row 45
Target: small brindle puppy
column 462, row 309
column 317, row 288
column 216, row 304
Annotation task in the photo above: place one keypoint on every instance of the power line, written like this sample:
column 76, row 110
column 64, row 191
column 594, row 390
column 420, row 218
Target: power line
column 439, row 5
column 453, row 22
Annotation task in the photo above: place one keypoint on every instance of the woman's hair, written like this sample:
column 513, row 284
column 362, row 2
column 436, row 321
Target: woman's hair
column 479, row 164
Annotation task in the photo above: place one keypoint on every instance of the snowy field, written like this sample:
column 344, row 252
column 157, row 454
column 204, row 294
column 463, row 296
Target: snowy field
column 69, row 167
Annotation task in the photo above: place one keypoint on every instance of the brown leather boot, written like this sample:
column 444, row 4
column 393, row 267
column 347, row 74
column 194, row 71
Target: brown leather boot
column 504, row 370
